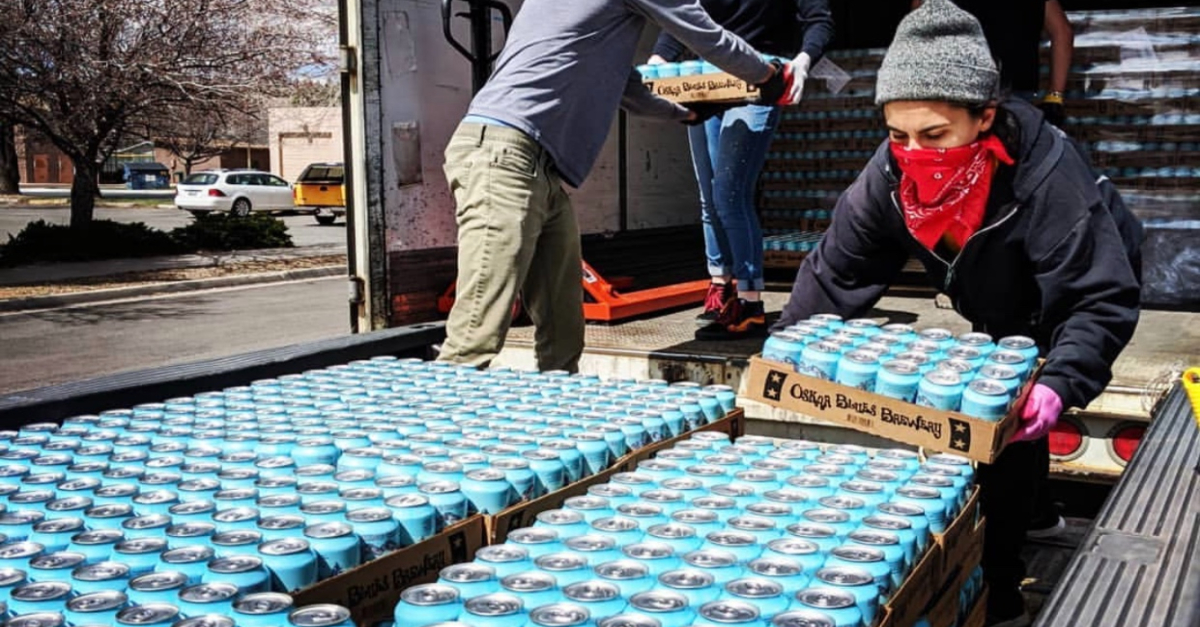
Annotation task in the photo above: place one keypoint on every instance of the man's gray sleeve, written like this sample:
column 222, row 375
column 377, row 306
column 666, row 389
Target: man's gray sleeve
column 688, row 22
column 638, row 100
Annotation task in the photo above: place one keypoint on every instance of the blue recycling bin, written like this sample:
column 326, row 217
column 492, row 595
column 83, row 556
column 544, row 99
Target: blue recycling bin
column 147, row 175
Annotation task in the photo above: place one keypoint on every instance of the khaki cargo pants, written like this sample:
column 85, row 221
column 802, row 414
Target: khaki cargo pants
column 516, row 234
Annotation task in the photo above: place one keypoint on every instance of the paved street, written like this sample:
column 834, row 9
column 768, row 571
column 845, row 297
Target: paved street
column 41, row 348
column 304, row 229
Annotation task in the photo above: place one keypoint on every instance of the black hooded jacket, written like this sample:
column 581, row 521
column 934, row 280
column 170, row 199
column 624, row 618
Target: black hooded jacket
column 1052, row 259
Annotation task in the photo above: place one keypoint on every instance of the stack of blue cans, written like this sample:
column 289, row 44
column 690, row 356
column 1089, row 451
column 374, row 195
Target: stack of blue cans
column 971, row 373
column 710, row 533
column 197, row 504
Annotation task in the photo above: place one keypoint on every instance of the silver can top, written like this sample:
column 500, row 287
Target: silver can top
column 237, row 537
column 615, row 524
column 284, row 546
column 560, row 562
column 326, row 530
column 235, row 564
column 874, row 537
column 59, row 525
column 468, row 573
column 825, row 598
column 293, row 521
column 41, row 591
column 533, row 535
column 658, row 602
column 592, row 591
column 560, row 517
column 775, row 567
column 793, row 546
column 206, row 620
column 621, row 570
column 919, row 492
column 197, row 529
column 826, row 515
column 263, row 603
column 754, row 588
column 430, row 595
column 560, row 615
column 861, row 554
column 60, row 560
column 590, row 543
column 811, row 530
column 648, row 550
column 988, row 387
column 502, row 554
column 731, row 538
column 235, row 514
column 998, row 372
column 672, row 531
column 141, row 546
column 216, row 592
column 710, row 558
column 10, row 577
column 38, row 619
column 730, row 611
column 102, row 571
column 843, row 501
column 687, row 579
column 751, row 522
column 102, row 601
column 494, row 605
column 902, row 509
column 530, row 581
column 98, row 536
column 845, row 576
column 188, row 555
column 695, row 516
column 148, row 614
column 887, row 522
column 154, row 582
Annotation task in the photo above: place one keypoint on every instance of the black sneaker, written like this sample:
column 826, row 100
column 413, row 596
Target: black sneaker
column 738, row 319
column 714, row 301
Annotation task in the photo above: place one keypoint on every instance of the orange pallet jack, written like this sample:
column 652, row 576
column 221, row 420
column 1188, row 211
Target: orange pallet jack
column 607, row 301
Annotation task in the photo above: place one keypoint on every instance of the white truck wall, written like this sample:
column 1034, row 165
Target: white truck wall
column 424, row 88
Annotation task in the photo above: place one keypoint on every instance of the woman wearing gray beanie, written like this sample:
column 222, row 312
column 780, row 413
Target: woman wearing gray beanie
column 1010, row 222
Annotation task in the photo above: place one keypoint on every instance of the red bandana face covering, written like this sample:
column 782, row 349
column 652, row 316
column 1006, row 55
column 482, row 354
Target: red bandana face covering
column 944, row 191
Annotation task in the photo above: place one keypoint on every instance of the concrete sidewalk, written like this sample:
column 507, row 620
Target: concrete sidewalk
column 55, row 272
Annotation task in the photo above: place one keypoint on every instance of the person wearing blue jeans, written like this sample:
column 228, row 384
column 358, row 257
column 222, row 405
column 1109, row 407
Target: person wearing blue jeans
column 729, row 150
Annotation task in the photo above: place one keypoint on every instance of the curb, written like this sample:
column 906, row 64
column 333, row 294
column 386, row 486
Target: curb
column 15, row 305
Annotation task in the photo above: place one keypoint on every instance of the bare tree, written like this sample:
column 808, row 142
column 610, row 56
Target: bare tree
column 10, row 170
column 200, row 136
column 83, row 73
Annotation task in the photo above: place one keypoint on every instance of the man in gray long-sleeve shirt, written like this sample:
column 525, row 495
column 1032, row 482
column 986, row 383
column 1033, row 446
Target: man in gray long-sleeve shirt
column 539, row 122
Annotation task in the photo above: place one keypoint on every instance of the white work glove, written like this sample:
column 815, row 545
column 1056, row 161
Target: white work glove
column 799, row 74
column 655, row 60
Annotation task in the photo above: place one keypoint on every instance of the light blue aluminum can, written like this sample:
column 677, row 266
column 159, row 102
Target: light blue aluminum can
column 495, row 610
column 470, row 579
column 986, row 399
column 941, row 389
column 100, row 577
column 157, row 587
column 601, row 599
column 282, row 526
column 930, row 500
column 96, row 608
column 594, row 548
column 208, row 598
column 505, row 559
column 291, row 562
column 262, row 609
column 239, row 542
column 416, row 516
column 1023, row 345
column 901, row 528
column 856, row 582
column 428, row 604
column 190, row 561
column 889, row 544
column 784, row 347
column 820, row 361
column 899, row 379
column 247, row 572
column 669, row 608
column 54, row 566
column 915, row 515
column 55, row 534
column 378, row 529
column 789, row 574
column 951, row 495
column 337, row 547
column 858, row 369
column 141, row 555
column 43, row 596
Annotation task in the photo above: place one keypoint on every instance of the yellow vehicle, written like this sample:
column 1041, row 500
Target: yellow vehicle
column 321, row 189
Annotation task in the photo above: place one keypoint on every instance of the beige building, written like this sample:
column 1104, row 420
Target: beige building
column 303, row 135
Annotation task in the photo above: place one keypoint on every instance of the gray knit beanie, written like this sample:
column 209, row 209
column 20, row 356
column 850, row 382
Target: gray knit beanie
column 939, row 53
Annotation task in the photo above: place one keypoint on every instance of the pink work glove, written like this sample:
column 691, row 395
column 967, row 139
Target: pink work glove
column 1040, row 414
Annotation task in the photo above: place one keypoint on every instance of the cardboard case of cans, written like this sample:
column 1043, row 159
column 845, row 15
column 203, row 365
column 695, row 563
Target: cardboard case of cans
column 923, row 387
column 712, row 533
column 200, row 503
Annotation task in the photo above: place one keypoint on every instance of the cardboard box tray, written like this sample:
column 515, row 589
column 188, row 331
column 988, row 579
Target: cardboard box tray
column 780, row 386
column 372, row 590
column 717, row 87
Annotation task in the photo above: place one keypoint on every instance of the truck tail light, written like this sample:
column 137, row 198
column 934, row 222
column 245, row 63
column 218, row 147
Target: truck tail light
column 1066, row 439
column 1125, row 441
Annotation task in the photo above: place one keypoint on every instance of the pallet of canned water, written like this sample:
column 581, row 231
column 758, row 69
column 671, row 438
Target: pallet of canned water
column 288, row 481
column 924, row 387
column 713, row 534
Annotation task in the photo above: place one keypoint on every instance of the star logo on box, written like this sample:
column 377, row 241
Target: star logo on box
column 773, row 389
column 961, row 440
